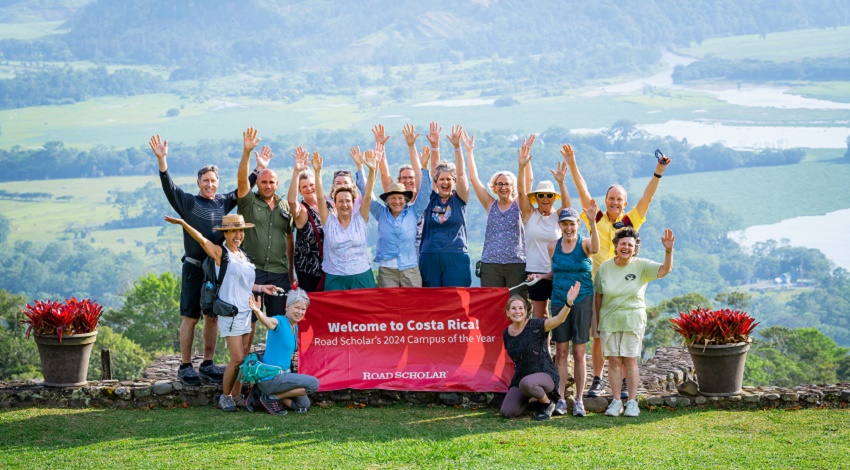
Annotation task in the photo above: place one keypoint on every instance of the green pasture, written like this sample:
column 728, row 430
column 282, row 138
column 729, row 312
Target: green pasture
column 830, row 91
column 778, row 47
column 29, row 30
column 765, row 195
column 420, row 437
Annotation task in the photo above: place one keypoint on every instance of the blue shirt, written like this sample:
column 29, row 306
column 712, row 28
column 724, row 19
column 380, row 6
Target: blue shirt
column 280, row 344
column 445, row 225
column 397, row 235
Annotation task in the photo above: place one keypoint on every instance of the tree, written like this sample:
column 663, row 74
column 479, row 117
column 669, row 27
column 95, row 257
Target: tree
column 129, row 360
column 151, row 313
column 18, row 356
column 792, row 357
column 659, row 331
column 735, row 299
column 5, row 228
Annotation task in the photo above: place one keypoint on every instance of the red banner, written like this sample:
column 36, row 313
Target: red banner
column 425, row 339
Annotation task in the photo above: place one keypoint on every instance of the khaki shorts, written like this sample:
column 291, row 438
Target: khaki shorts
column 621, row 343
column 389, row 277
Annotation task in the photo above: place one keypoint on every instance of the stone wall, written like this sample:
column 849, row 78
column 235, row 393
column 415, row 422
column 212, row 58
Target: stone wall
column 667, row 380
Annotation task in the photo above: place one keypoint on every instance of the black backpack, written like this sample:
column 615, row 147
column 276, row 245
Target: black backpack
column 212, row 283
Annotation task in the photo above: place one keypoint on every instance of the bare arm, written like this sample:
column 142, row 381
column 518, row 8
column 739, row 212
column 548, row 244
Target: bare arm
column 370, row 159
column 434, row 139
column 211, row 249
column 481, row 192
column 591, row 246
column 651, row 187
column 524, row 162
column 290, row 253
column 578, row 180
column 462, row 184
column 410, row 137
column 560, row 175
column 667, row 240
column 320, row 191
column 249, row 143
column 381, row 138
column 270, row 323
column 552, row 323
column 292, row 194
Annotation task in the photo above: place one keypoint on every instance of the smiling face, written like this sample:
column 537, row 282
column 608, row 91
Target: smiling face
column 544, row 204
column 516, row 311
column 445, row 184
column 344, row 204
column 234, row 238
column 396, row 203
column 208, row 184
column 267, row 184
column 615, row 201
column 626, row 248
column 295, row 312
column 307, row 188
column 569, row 228
column 504, row 188
column 342, row 180
column 407, row 178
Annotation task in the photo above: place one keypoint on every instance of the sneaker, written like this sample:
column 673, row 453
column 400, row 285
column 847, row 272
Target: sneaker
column 545, row 411
column 624, row 392
column 226, row 403
column 211, row 374
column 578, row 409
column 597, row 388
column 188, row 376
column 272, row 405
column 253, row 400
column 240, row 401
column 300, row 410
column 561, row 407
column 632, row 409
column 615, row 408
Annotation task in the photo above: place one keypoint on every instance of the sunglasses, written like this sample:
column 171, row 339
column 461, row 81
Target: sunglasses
column 545, row 195
column 342, row 173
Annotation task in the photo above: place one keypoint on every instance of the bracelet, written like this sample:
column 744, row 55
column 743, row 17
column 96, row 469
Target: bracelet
column 457, row 149
column 656, row 175
column 668, row 251
column 570, row 306
column 435, row 149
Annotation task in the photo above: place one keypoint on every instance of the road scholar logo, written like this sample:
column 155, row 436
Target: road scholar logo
column 404, row 375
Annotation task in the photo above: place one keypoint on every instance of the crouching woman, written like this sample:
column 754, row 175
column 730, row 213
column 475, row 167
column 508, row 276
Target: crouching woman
column 286, row 390
column 535, row 377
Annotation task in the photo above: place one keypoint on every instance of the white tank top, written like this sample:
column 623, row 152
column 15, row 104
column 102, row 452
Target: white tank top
column 238, row 280
column 539, row 231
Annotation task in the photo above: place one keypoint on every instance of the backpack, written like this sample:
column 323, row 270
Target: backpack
column 253, row 370
column 212, row 283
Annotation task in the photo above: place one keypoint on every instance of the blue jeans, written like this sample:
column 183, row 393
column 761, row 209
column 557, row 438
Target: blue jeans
column 286, row 381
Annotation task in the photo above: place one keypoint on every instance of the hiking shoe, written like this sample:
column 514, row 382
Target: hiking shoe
column 300, row 410
column 188, row 376
column 240, row 401
column 561, row 407
column 226, row 403
column 624, row 392
column 211, row 374
column 272, row 405
column 597, row 388
column 545, row 411
column 615, row 408
column 253, row 400
column 632, row 409
column 578, row 409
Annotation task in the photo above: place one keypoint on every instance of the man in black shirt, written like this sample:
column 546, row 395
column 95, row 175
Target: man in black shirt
column 203, row 211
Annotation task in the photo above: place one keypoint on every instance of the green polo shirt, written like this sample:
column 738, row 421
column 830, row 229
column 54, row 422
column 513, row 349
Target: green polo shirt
column 266, row 242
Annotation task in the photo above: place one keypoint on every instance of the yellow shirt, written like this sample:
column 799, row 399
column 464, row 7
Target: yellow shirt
column 606, row 235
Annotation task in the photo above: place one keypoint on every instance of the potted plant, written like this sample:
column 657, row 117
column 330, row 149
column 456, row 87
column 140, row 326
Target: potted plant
column 718, row 341
column 65, row 334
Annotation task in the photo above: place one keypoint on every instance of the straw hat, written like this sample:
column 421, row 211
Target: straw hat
column 233, row 222
column 543, row 187
column 397, row 188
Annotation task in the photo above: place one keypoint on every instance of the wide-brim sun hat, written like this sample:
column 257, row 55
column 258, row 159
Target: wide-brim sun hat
column 397, row 188
column 233, row 222
column 543, row 187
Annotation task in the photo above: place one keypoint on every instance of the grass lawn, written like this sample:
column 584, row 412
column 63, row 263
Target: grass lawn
column 830, row 91
column 413, row 437
column 780, row 47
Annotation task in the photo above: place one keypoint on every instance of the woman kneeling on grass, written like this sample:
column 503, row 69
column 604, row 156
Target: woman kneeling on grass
column 286, row 388
column 535, row 375
column 619, row 286
column 235, row 289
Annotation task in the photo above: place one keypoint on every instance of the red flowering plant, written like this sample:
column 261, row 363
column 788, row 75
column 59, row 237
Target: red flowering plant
column 705, row 326
column 54, row 318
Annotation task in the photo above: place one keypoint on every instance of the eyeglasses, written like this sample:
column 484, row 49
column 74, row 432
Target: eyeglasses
column 407, row 178
column 503, row 185
column 342, row 173
column 545, row 195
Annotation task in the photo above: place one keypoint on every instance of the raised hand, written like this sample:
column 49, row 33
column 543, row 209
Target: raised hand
column 250, row 140
column 663, row 161
column 254, row 303
column 524, row 154
column 591, row 210
column 454, row 138
column 300, row 154
column 316, row 161
column 667, row 240
column 173, row 220
column 468, row 141
column 530, row 140
column 573, row 293
column 560, row 173
column 379, row 151
column 568, row 153
column 370, row 159
column 264, row 157
column 159, row 147
column 425, row 156
column 380, row 136
column 434, row 135
column 357, row 156
column 409, row 135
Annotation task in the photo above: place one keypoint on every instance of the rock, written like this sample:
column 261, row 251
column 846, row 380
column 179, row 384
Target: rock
column 450, row 398
column 771, row 396
column 140, row 392
column 595, row 404
column 790, row 397
column 5, row 404
column 700, row 400
column 845, row 396
column 162, row 387
column 677, row 402
column 481, row 397
column 108, row 382
column 752, row 397
column 688, row 388
column 655, row 401
column 120, row 404
column 420, row 398
column 341, row 395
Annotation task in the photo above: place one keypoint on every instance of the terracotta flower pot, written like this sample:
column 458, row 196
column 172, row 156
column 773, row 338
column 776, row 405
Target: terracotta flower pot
column 720, row 368
column 65, row 364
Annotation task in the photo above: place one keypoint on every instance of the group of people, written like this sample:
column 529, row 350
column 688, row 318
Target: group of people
column 319, row 243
